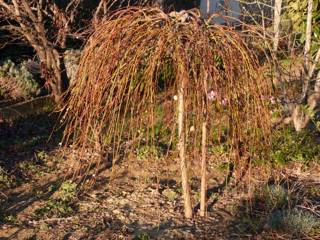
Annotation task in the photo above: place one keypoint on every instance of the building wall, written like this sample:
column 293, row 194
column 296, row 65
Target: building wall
column 219, row 6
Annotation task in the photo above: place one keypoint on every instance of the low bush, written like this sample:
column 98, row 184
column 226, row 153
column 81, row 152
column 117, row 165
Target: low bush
column 297, row 223
column 274, row 197
column 16, row 81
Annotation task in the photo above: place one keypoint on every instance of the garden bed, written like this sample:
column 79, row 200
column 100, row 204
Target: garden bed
column 143, row 201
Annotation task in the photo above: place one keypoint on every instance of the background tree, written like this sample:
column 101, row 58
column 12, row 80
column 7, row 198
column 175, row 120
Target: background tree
column 294, row 26
column 44, row 25
column 308, row 21
column 256, row 12
column 304, row 16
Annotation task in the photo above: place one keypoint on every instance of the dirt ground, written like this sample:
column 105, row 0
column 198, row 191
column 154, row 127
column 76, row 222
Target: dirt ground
column 142, row 202
column 133, row 204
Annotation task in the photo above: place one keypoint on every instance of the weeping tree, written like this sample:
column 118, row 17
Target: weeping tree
column 140, row 58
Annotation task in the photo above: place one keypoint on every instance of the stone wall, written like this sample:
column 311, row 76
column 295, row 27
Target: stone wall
column 27, row 107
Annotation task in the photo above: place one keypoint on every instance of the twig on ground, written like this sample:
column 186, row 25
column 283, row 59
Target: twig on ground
column 4, row 194
column 51, row 219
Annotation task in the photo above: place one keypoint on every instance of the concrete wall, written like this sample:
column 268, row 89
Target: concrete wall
column 27, row 107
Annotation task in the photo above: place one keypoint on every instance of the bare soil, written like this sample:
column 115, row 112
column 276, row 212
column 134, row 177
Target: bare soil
column 134, row 199
column 141, row 198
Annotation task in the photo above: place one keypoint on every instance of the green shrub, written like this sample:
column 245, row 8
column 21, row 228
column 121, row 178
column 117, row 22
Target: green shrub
column 294, row 222
column 289, row 145
column 274, row 197
column 16, row 81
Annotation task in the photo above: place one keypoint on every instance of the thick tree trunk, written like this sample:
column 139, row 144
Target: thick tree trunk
column 52, row 70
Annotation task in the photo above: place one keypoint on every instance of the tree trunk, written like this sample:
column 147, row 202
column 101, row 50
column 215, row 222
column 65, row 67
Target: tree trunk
column 317, row 86
column 53, row 71
column 277, row 20
column 183, row 164
column 203, row 164
column 307, row 46
column 31, row 25
column 300, row 118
